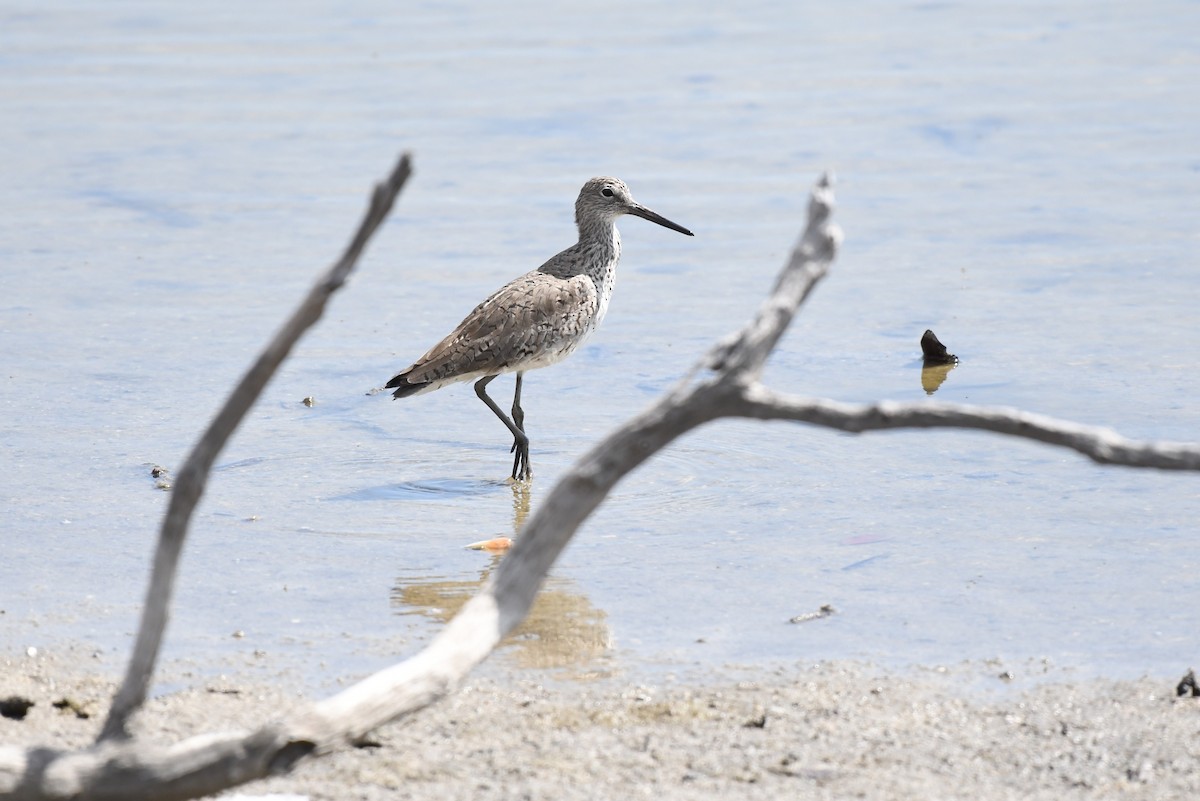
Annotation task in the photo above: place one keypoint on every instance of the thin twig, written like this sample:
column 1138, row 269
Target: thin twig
column 192, row 478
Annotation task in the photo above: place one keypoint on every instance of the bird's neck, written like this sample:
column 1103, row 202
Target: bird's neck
column 600, row 250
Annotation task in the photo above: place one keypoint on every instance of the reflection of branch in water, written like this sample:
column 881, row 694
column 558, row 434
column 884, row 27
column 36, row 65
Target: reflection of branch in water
column 562, row 630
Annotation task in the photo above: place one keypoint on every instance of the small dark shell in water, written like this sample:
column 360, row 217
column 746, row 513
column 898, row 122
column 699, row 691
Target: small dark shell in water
column 934, row 350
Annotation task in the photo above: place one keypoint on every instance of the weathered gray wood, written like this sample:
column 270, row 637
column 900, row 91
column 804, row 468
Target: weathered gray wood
column 1102, row 445
column 191, row 479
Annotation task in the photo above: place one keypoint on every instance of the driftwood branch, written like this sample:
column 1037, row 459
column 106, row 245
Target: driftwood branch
column 1102, row 445
column 192, row 478
column 724, row 383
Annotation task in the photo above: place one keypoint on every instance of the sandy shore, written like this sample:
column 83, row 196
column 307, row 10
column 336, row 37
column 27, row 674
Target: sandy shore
column 824, row 731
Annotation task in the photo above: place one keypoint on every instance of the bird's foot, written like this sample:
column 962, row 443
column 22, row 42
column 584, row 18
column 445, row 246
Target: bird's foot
column 521, row 470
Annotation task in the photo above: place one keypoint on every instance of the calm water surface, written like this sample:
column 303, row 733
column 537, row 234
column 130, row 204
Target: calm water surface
column 1023, row 179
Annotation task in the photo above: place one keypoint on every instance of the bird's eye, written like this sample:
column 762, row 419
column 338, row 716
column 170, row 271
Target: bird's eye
column 606, row 191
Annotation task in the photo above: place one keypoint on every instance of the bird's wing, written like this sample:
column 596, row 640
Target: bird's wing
column 530, row 316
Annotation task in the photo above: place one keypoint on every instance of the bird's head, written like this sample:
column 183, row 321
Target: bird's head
column 603, row 200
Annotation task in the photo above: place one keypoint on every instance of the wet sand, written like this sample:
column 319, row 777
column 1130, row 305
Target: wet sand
column 822, row 731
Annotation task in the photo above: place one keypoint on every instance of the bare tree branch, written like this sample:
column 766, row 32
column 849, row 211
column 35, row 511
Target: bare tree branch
column 192, row 478
column 744, row 352
column 1102, row 445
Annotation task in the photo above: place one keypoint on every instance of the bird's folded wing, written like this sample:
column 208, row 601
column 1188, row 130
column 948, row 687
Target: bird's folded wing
column 532, row 317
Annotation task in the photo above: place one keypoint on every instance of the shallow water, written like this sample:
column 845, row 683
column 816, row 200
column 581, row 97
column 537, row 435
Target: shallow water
column 1021, row 180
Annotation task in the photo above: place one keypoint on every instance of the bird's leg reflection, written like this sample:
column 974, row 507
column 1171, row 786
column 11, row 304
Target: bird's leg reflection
column 520, row 504
column 499, row 544
column 522, row 492
column 563, row 629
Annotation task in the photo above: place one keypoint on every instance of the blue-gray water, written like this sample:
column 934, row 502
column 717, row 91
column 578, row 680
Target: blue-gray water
column 1022, row 178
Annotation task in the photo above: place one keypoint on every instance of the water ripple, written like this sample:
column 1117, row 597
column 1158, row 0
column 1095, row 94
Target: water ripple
column 433, row 488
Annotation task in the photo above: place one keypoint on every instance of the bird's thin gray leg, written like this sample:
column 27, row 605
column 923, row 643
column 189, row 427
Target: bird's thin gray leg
column 521, row 470
column 518, row 414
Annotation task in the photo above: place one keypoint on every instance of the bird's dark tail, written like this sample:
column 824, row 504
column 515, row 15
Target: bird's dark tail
column 403, row 387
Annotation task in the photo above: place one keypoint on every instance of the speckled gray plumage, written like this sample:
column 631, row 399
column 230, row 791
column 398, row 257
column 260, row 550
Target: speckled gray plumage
column 536, row 317
column 539, row 318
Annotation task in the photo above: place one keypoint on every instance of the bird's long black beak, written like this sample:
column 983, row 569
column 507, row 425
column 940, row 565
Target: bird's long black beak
column 645, row 213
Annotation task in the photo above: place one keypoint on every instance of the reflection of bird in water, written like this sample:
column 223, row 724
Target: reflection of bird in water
column 538, row 319
column 521, row 497
column 562, row 630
